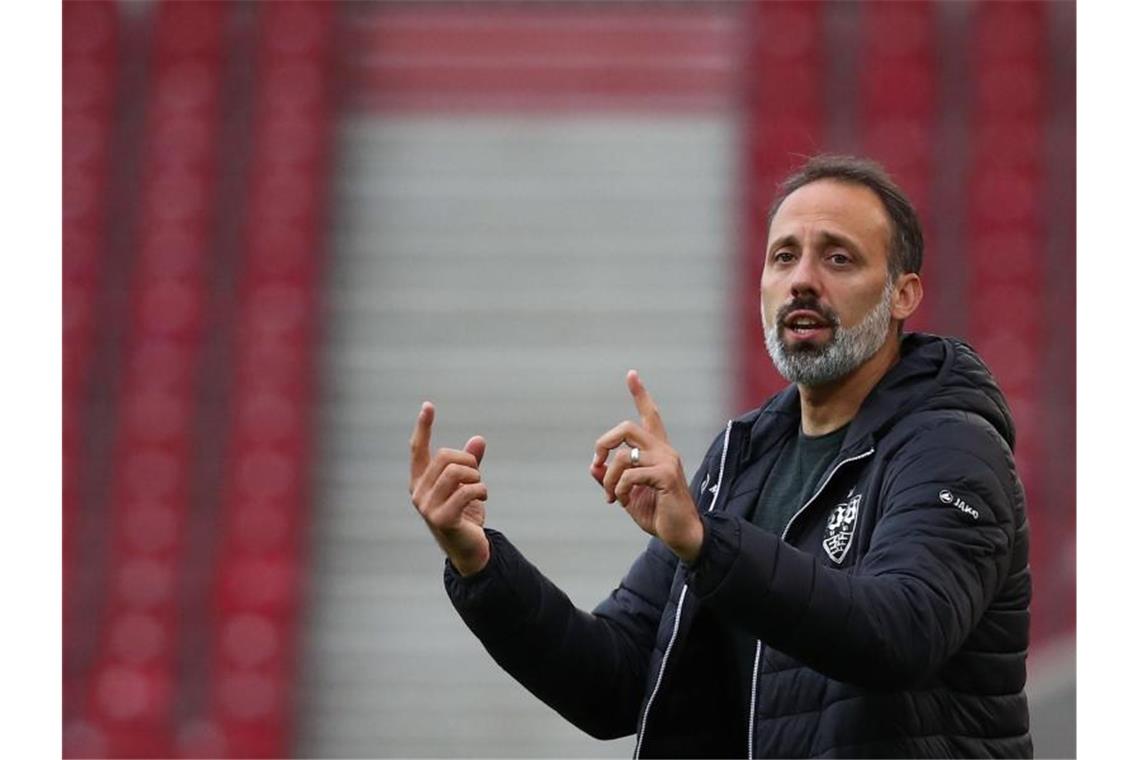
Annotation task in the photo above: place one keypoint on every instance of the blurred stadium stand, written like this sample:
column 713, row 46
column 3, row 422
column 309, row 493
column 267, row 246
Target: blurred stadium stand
column 286, row 224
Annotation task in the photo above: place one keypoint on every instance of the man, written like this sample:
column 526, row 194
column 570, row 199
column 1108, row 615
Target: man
column 847, row 574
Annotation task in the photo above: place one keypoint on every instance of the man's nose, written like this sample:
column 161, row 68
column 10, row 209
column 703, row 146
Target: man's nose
column 805, row 278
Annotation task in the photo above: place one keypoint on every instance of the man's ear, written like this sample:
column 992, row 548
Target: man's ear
column 907, row 296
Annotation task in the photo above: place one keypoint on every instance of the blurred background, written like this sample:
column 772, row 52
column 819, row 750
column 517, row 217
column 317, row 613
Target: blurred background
column 287, row 224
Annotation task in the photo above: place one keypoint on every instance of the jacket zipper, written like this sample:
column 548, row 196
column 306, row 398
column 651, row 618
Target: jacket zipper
column 759, row 643
column 680, row 604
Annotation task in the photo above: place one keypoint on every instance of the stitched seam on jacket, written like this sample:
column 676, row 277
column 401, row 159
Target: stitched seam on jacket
column 908, row 737
column 827, row 706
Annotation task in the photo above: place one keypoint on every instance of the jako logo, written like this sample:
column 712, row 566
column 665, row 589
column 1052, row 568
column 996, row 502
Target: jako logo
column 948, row 498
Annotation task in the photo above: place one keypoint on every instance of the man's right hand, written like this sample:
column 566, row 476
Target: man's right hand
column 448, row 491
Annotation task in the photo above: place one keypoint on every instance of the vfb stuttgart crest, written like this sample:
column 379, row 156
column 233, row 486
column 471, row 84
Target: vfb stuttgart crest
column 841, row 527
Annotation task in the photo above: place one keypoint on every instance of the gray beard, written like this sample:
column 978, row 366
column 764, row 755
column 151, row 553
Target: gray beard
column 847, row 350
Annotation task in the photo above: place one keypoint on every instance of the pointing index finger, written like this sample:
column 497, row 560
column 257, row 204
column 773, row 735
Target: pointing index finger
column 420, row 444
column 646, row 406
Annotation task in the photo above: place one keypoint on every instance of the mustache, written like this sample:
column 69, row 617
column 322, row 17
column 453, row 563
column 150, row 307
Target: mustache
column 807, row 303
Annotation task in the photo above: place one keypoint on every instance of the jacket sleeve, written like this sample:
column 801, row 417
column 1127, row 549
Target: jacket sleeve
column 930, row 571
column 589, row 667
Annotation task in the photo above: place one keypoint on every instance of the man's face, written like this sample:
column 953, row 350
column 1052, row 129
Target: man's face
column 825, row 294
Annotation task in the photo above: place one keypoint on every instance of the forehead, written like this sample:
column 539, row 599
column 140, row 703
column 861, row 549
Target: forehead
column 829, row 205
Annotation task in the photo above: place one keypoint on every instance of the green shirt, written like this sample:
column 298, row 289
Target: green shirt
column 802, row 462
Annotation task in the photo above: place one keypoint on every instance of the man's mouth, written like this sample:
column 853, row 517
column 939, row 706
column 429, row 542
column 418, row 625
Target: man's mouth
column 806, row 324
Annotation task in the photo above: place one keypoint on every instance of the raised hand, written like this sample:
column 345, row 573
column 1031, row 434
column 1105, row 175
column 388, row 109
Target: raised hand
column 654, row 491
column 448, row 491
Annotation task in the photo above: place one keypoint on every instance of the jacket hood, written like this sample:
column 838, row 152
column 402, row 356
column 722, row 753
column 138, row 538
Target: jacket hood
column 935, row 373
column 932, row 373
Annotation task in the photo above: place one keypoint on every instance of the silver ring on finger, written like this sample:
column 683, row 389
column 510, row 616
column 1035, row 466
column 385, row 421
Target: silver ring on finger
column 635, row 456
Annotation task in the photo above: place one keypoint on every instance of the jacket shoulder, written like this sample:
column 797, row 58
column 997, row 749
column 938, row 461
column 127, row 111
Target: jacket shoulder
column 954, row 448
column 952, row 433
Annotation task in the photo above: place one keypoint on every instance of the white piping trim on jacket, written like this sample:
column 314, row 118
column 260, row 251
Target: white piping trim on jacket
column 784, row 536
column 752, row 704
column 723, row 457
column 677, row 616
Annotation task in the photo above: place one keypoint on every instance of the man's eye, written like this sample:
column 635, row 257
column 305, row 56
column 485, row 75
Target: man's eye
column 840, row 258
column 783, row 256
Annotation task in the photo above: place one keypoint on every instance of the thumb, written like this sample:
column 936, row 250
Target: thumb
column 477, row 446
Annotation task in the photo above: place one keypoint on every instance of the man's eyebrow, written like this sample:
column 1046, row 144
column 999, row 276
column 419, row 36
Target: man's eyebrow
column 840, row 239
column 783, row 240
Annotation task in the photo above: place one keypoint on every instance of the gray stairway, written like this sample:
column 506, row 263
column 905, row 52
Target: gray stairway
column 510, row 270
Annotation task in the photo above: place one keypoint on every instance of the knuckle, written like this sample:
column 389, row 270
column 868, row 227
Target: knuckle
column 469, row 491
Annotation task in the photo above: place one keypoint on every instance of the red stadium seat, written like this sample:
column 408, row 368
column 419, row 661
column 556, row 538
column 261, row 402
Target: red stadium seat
column 90, row 89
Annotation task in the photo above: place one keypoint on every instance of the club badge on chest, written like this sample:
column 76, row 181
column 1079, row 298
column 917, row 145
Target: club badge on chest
column 840, row 529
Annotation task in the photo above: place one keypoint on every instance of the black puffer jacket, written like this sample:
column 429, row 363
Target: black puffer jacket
column 891, row 621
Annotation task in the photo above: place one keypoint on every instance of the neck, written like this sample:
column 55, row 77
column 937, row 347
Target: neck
column 829, row 407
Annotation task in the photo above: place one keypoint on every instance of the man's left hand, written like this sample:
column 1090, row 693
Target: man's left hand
column 654, row 492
